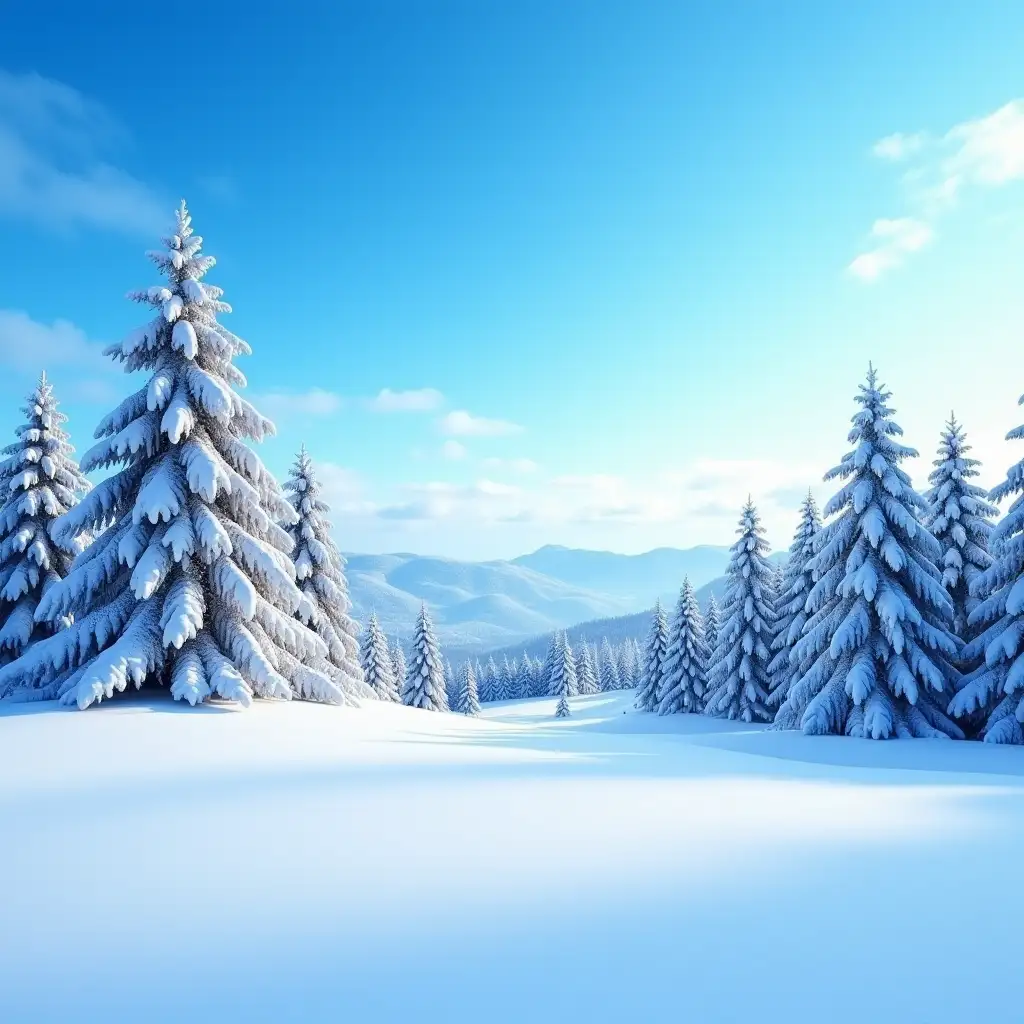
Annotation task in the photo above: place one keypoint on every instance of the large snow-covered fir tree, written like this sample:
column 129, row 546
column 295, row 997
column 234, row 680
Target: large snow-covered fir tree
column 684, row 669
column 189, row 582
column 608, row 669
column 375, row 659
column 39, row 481
column 563, row 671
column 958, row 515
column 652, row 671
column 992, row 694
column 469, row 701
column 738, row 677
column 877, row 644
column 424, row 678
column 586, row 676
column 320, row 573
column 796, row 584
column 712, row 625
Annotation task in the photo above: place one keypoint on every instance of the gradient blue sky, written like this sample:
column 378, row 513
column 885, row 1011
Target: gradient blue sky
column 620, row 263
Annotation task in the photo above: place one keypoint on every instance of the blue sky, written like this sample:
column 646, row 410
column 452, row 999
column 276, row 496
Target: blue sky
column 612, row 266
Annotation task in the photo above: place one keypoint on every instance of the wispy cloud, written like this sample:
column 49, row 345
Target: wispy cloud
column 515, row 465
column 984, row 153
column 416, row 400
column 895, row 241
column 315, row 402
column 898, row 146
column 51, row 166
column 460, row 423
column 453, row 450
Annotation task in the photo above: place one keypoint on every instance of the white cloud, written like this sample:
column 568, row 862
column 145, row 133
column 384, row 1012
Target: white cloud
column 27, row 344
column 343, row 490
column 896, row 240
column 416, row 400
column 453, row 450
column 987, row 152
column 460, row 423
column 316, row 402
column 515, row 465
column 898, row 146
column 50, row 167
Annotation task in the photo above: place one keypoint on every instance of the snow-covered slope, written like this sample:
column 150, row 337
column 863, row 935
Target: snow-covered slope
column 311, row 863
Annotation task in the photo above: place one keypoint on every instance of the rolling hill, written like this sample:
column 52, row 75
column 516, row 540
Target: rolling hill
column 481, row 607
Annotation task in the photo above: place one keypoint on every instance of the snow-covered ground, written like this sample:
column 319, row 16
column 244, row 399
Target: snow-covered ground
column 297, row 862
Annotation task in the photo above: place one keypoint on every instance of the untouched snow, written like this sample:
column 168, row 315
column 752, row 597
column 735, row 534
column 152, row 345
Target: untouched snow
column 298, row 862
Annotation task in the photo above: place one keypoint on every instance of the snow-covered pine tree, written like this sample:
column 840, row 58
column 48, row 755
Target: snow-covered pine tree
column 547, row 670
column 634, row 662
column 398, row 665
column 712, row 626
column 375, row 659
column 189, row 582
column 790, row 606
column 562, row 708
column 652, row 670
column 320, row 573
column 488, row 684
column 586, row 677
column 958, row 516
column 684, row 679
column 468, row 702
column 424, row 678
column 738, row 682
column 563, row 673
column 608, row 669
column 991, row 695
column 39, row 481
column 452, row 684
column 524, row 678
column 505, row 680
column 877, row 642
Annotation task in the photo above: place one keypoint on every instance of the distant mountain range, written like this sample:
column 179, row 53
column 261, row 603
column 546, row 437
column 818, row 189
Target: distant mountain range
column 485, row 606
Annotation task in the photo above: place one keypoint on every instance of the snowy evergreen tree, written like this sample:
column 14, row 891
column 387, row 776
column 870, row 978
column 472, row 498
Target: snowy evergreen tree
column 684, row 678
column 190, row 581
column 738, row 679
column 958, row 516
column 712, row 626
column 424, row 677
column 39, row 481
column 375, row 659
column 398, row 662
column 634, row 662
column 547, row 671
column 991, row 695
column 468, row 701
column 505, row 681
column 320, row 573
column 563, row 673
column 791, row 615
column 608, row 669
column 877, row 642
column 524, row 678
column 586, row 677
column 562, row 708
column 652, row 671
column 452, row 684
column 489, row 683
